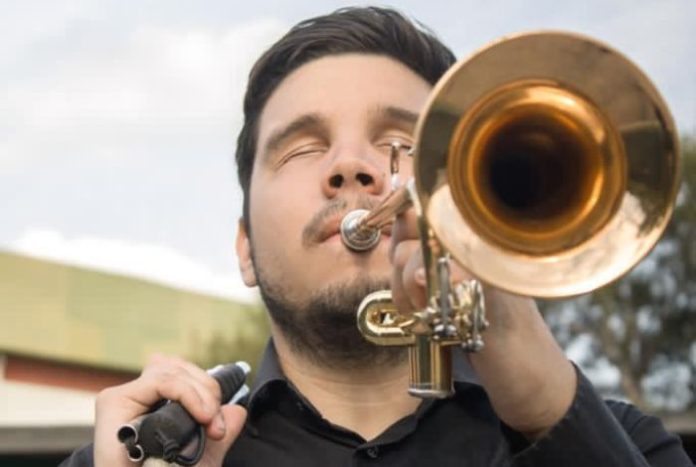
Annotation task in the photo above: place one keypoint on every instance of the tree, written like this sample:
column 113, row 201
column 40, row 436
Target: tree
column 642, row 328
column 246, row 344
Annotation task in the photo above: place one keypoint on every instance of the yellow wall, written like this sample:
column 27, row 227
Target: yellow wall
column 72, row 314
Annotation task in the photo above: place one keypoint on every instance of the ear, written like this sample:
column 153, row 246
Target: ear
column 246, row 264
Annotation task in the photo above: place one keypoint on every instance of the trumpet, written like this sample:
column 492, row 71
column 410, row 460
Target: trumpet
column 547, row 165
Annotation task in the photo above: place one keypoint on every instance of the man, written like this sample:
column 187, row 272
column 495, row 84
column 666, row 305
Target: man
column 322, row 109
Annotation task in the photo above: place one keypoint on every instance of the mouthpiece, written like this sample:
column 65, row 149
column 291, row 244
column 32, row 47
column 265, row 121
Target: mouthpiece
column 355, row 234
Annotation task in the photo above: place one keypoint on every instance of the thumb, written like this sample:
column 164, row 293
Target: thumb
column 215, row 451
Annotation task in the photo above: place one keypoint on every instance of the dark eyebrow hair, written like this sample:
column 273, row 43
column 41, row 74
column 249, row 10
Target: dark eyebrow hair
column 312, row 121
column 397, row 113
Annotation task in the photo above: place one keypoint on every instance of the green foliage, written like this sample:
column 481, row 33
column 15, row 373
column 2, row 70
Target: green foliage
column 644, row 325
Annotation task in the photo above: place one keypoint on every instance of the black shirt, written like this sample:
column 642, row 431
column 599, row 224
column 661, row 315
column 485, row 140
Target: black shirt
column 284, row 429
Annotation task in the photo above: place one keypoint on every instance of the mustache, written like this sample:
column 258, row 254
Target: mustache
column 339, row 207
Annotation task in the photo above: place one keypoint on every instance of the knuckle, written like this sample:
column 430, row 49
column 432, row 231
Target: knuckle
column 188, row 393
column 170, row 374
column 213, row 387
column 159, row 359
column 162, row 376
column 184, row 394
column 176, row 360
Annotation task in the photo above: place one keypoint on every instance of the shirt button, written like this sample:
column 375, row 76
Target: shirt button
column 372, row 452
column 299, row 406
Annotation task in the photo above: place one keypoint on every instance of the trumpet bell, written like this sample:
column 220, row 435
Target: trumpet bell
column 547, row 164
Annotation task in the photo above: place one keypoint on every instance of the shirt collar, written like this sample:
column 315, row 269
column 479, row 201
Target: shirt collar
column 269, row 370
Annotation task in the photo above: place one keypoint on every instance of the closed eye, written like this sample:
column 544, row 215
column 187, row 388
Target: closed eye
column 306, row 150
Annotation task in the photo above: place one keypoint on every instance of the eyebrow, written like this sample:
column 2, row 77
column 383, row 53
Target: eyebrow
column 396, row 113
column 307, row 122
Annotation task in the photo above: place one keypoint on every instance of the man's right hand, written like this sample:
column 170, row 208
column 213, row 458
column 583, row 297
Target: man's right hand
column 173, row 379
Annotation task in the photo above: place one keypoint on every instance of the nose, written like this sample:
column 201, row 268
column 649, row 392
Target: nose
column 353, row 173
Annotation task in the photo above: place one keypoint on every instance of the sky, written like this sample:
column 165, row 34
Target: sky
column 118, row 117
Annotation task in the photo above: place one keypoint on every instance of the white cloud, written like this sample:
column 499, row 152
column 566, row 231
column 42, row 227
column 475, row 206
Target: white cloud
column 657, row 35
column 108, row 93
column 118, row 120
column 145, row 261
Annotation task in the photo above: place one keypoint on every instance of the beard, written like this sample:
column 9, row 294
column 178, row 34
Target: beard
column 324, row 329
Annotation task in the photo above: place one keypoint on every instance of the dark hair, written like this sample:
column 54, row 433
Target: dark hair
column 365, row 30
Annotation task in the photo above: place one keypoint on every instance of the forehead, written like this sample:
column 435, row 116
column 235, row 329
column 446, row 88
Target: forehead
column 343, row 85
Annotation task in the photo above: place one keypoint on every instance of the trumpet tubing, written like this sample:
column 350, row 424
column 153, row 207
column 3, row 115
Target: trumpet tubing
column 546, row 165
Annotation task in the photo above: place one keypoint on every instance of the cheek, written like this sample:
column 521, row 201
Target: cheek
column 280, row 207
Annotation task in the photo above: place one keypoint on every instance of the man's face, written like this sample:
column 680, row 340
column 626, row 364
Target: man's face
column 323, row 150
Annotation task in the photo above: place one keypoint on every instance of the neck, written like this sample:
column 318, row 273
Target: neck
column 365, row 400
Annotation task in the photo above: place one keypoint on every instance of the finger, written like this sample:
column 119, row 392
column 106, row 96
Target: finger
column 163, row 378
column 233, row 417
column 159, row 362
column 413, row 279
column 201, row 375
column 215, row 429
column 119, row 405
column 195, row 397
column 176, row 384
column 403, row 252
column 405, row 289
column 405, row 228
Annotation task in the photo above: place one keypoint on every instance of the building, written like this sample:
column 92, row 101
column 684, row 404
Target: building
column 68, row 332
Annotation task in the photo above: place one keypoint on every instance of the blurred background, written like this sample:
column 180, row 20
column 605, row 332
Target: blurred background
column 119, row 201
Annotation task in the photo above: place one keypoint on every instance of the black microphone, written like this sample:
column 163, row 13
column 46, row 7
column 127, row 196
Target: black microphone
column 169, row 428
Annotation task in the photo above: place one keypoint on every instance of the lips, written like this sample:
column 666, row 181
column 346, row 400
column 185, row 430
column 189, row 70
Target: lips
column 329, row 228
column 332, row 226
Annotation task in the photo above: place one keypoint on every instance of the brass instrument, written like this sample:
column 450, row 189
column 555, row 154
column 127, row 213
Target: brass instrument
column 546, row 165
